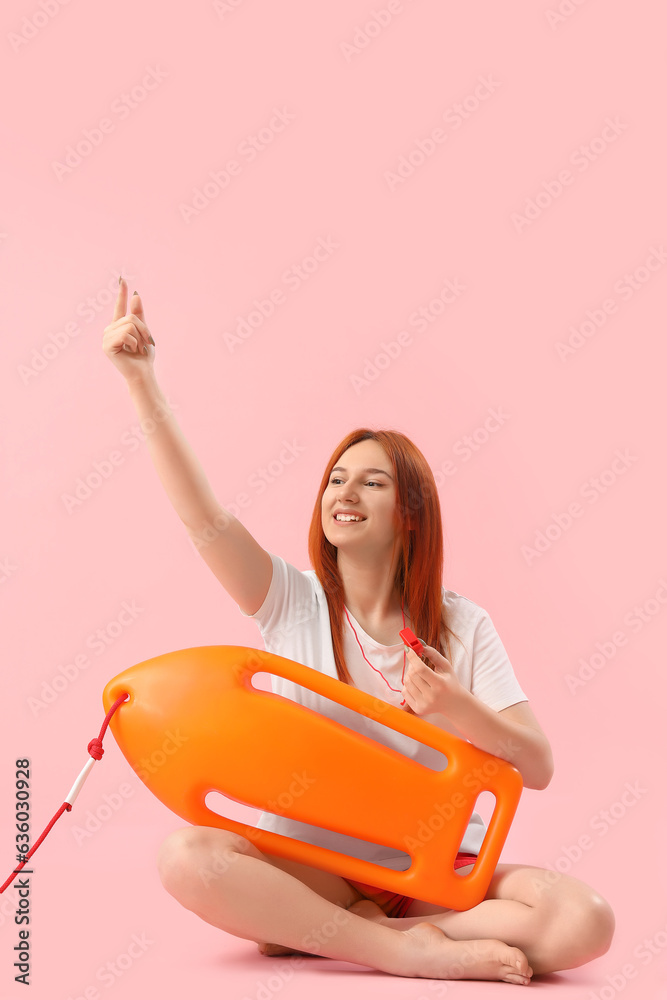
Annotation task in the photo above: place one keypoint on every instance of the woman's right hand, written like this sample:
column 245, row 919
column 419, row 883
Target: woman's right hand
column 127, row 340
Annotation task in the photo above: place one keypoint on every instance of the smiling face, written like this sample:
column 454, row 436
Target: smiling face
column 361, row 481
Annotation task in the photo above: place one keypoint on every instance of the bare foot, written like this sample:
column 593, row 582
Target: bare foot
column 279, row 949
column 432, row 955
column 480, row 959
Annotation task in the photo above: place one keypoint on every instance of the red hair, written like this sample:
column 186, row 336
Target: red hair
column 418, row 524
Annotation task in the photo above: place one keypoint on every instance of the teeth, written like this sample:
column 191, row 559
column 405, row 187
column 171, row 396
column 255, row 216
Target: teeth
column 347, row 517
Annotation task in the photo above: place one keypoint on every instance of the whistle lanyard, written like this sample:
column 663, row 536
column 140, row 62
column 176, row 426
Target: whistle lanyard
column 369, row 662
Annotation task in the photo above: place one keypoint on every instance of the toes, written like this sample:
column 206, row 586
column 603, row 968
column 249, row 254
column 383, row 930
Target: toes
column 520, row 972
column 273, row 949
column 514, row 977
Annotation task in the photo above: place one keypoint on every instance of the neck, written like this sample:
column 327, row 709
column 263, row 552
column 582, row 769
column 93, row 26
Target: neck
column 369, row 587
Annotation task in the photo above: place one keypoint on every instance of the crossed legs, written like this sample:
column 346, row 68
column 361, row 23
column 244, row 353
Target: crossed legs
column 558, row 921
column 532, row 921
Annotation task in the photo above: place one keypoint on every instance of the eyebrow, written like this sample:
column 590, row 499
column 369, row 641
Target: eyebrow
column 339, row 468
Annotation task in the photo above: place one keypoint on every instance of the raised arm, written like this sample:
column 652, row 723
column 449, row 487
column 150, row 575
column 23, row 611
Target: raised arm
column 241, row 565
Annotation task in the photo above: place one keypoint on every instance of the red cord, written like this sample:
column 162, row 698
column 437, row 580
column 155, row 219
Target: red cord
column 369, row 662
column 95, row 750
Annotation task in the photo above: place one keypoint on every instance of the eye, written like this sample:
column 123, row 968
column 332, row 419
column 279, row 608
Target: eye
column 337, row 480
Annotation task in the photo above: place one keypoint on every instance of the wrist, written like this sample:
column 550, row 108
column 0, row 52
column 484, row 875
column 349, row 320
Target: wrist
column 457, row 704
column 142, row 384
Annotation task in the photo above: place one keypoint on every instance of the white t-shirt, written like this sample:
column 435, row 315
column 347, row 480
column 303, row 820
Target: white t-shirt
column 294, row 623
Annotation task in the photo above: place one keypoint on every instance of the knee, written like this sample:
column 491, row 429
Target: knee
column 595, row 926
column 190, row 858
column 606, row 925
column 581, row 927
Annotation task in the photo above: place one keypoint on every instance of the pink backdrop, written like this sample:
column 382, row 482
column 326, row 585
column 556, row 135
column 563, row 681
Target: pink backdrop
column 499, row 167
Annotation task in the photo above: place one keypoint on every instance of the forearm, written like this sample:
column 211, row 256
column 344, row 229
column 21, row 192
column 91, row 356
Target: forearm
column 175, row 462
column 527, row 749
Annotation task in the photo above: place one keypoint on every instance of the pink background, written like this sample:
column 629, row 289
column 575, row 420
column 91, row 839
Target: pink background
column 525, row 285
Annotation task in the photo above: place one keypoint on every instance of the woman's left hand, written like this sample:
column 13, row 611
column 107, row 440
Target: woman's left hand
column 428, row 690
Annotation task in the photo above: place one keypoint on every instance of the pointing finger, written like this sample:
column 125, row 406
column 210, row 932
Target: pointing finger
column 121, row 300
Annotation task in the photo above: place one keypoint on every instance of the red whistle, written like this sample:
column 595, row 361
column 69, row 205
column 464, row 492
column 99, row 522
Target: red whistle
column 411, row 640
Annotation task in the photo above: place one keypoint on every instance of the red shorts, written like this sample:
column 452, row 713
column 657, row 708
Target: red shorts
column 393, row 903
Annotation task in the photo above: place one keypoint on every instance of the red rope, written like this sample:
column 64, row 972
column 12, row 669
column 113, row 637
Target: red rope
column 95, row 750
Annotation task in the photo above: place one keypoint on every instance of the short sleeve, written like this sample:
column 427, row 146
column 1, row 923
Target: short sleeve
column 493, row 679
column 290, row 599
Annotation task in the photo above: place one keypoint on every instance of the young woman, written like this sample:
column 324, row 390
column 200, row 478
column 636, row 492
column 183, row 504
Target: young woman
column 375, row 543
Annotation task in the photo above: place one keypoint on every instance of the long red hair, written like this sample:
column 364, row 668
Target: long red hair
column 420, row 568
